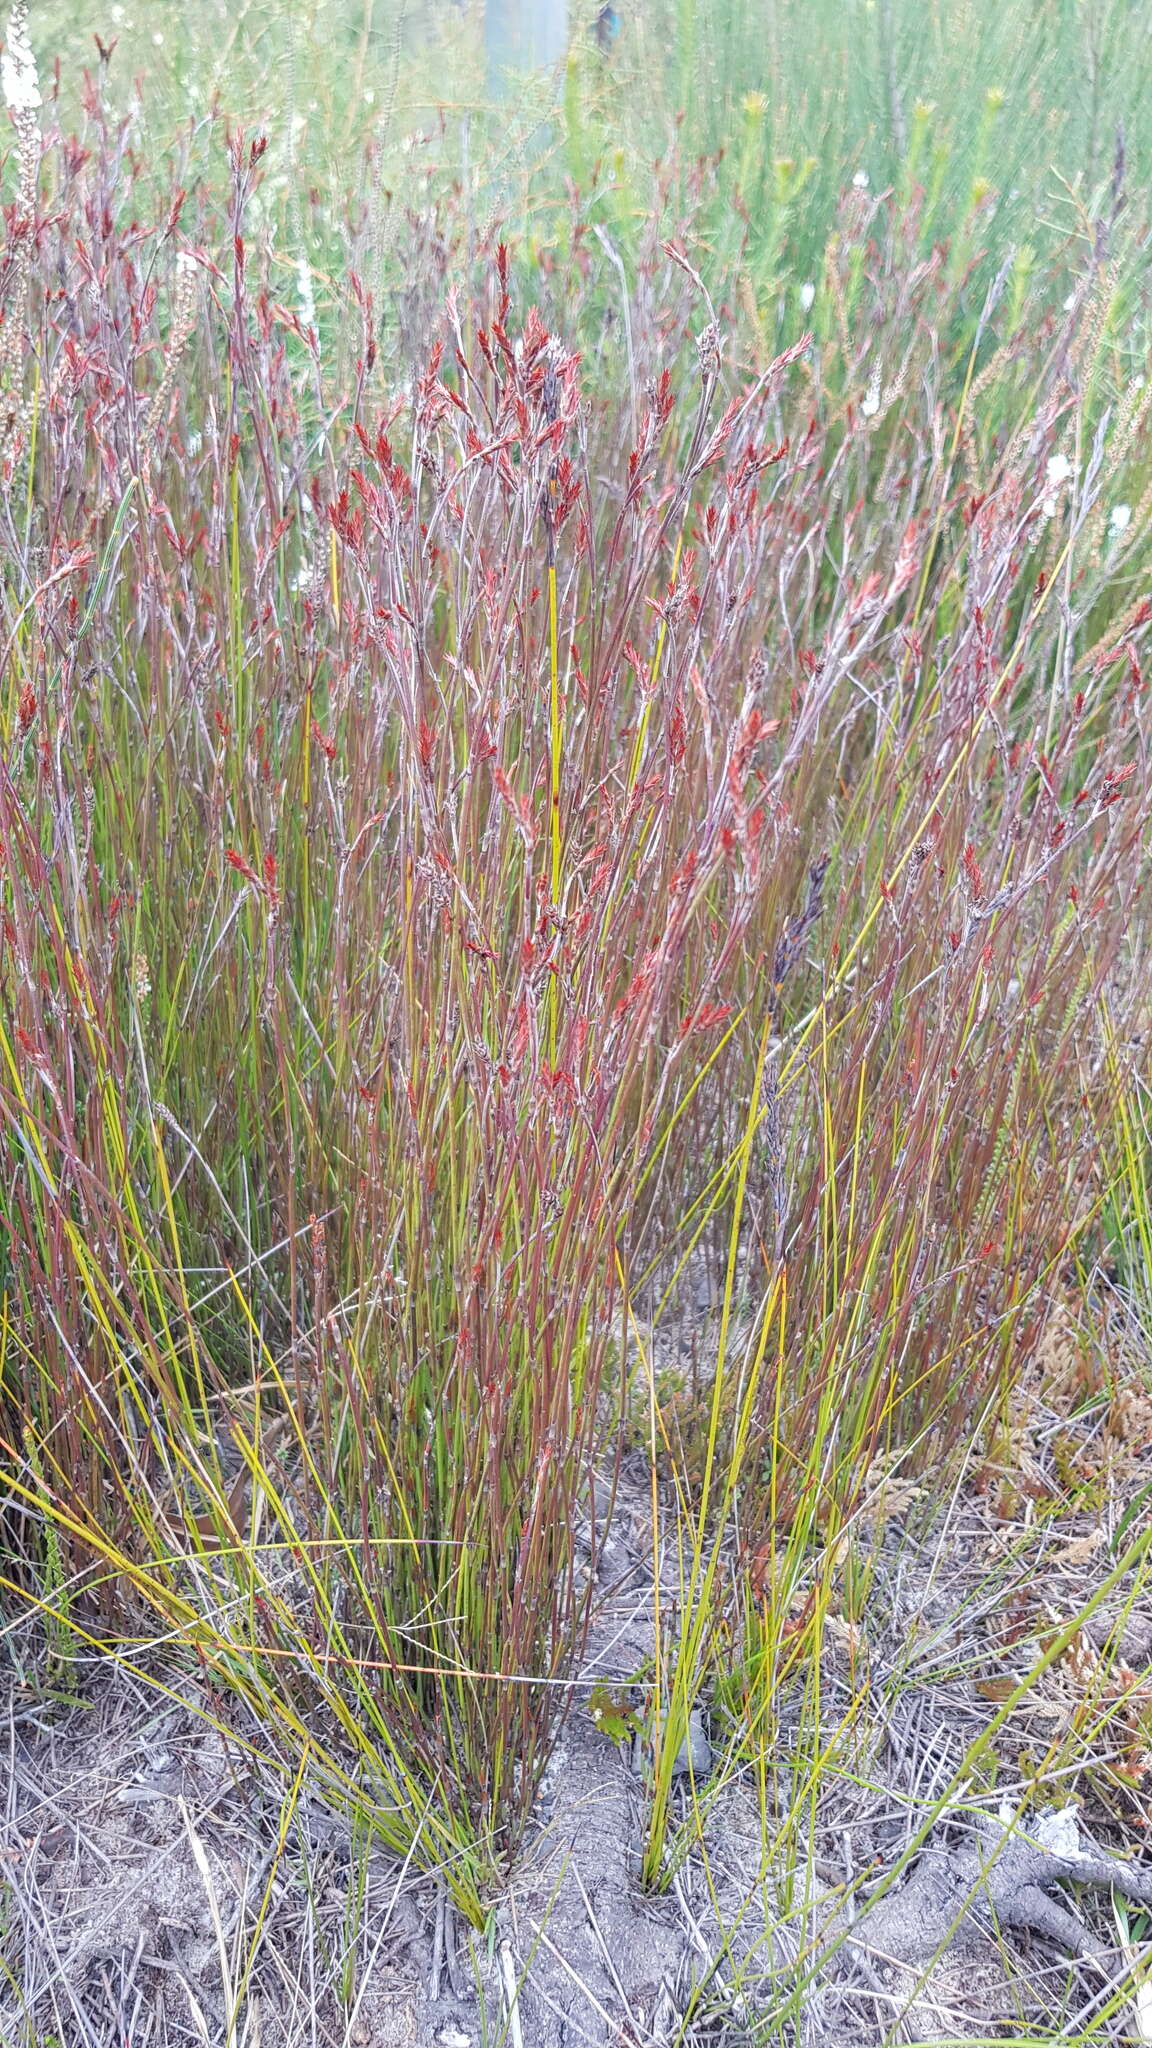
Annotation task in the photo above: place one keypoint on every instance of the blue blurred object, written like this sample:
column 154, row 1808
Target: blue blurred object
column 607, row 26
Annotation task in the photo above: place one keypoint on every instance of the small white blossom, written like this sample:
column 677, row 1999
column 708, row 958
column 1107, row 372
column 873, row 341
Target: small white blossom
column 807, row 296
column 157, row 36
column 1118, row 519
column 1069, row 302
column 870, row 403
column 18, row 66
column 1058, row 472
column 307, row 297
column 861, row 180
column 1056, row 475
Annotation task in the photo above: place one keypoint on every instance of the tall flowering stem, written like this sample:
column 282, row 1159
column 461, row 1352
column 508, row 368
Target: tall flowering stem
column 21, row 89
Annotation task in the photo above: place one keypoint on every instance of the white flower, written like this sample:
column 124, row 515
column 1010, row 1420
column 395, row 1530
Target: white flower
column 1118, row 519
column 807, row 295
column 1056, row 475
column 1069, row 302
column 870, row 403
column 18, row 66
column 861, row 181
column 307, row 299
column 157, row 36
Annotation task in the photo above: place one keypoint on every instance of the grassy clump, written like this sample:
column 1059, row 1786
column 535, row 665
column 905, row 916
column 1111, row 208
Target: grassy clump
column 486, row 821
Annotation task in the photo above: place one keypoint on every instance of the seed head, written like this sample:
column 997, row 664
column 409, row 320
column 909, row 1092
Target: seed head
column 708, row 350
column 18, row 78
